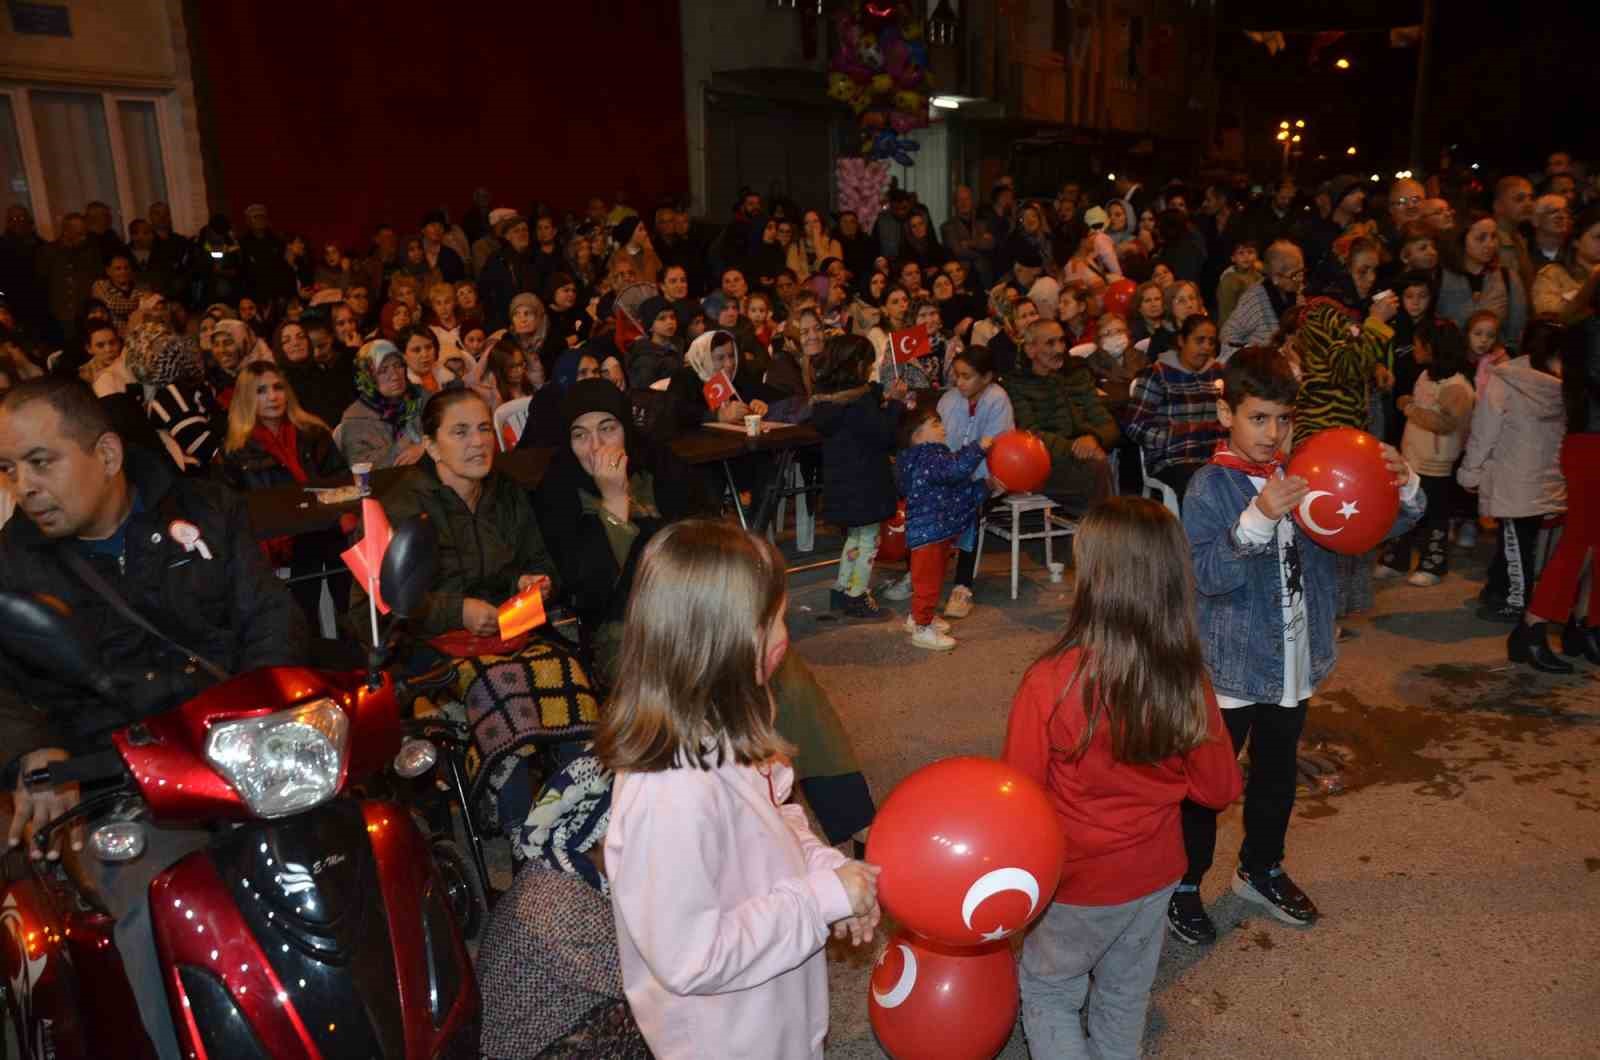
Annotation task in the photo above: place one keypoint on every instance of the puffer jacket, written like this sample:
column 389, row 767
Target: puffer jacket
column 942, row 498
column 858, row 485
column 481, row 553
column 1513, row 452
column 1062, row 403
column 226, row 606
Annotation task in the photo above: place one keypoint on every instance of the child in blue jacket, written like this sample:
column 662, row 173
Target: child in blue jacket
column 1265, row 597
column 941, row 501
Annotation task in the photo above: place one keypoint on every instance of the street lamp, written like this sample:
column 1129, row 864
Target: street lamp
column 1343, row 64
column 1351, row 151
column 1288, row 136
column 942, row 24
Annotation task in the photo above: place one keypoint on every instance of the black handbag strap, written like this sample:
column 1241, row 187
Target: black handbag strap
column 91, row 577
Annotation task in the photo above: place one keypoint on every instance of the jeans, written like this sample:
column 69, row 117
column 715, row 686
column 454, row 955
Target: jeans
column 1274, row 736
column 1121, row 946
column 855, row 562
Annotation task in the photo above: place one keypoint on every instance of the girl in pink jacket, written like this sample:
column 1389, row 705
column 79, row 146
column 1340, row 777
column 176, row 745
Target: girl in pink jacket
column 723, row 896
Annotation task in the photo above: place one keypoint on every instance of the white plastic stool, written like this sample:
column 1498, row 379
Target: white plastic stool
column 1051, row 526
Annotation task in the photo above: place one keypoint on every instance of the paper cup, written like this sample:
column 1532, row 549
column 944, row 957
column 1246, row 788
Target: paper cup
column 752, row 426
column 363, row 477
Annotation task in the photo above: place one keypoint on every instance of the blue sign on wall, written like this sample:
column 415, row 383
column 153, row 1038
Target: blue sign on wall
column 42, row 20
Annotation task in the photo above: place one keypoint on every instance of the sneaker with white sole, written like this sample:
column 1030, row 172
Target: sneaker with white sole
column 960, row 603
column 899, row 589
column 938, row 623
column 1274, row 889
column 1422, row 579
column 930, row 638
column 1383, row 574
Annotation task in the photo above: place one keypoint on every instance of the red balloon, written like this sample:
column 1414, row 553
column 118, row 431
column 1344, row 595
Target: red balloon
column 929, row 1002
column 1353, row 499
column 1118, row 296
column 1019, row 461
column 970, row 850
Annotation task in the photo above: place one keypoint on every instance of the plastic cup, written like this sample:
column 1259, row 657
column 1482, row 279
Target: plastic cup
column 363, row 477
column 1057, row 571
column 752, row 426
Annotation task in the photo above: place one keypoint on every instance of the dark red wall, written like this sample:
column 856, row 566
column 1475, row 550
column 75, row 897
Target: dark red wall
column 339, row 114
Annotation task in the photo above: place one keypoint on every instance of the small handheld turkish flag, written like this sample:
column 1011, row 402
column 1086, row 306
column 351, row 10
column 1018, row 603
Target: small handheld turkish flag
column 910, row 344
column 719, row 391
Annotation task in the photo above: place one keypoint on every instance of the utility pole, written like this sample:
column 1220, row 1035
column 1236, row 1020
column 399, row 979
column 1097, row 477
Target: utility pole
column 1419, row 102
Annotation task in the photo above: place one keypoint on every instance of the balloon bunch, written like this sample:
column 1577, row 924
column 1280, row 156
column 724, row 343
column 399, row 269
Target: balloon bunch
column 881, row 70
column 862, row 185
column 971, row 853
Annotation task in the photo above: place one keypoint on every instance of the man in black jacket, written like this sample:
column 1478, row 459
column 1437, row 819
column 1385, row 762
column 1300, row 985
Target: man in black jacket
column 127, row 514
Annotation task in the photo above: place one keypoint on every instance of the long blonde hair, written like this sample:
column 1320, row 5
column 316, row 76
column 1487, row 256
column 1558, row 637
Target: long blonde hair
column 242, row 412
column 1140, row 669
column 687, row 692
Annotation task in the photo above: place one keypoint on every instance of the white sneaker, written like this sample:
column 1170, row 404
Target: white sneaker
column 1383, row 573
column 1423, row 579
column 899, row 589
column 930, row 638
column 960, row 603
column 938, row 623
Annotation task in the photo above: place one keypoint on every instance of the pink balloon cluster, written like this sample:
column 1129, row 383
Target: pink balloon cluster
column 862, row 186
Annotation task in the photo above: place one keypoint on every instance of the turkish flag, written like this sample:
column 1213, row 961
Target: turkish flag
column 626, row 331
column 910, row 344
column 719, row 391
column 523, row 611
column 365, row 557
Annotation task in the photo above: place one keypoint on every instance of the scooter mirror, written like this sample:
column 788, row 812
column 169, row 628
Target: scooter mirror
column 409, row 564
column 35, row 632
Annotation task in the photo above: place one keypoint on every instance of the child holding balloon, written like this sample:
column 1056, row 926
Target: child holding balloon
column 1118, row 723
column 1265, row 594
column 723, row 896
column 942, row 499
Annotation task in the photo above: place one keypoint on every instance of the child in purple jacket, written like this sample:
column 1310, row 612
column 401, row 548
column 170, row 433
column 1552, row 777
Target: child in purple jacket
column 941, row 501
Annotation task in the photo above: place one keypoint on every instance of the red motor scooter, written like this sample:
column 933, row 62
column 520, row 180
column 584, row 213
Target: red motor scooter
column 303, row 925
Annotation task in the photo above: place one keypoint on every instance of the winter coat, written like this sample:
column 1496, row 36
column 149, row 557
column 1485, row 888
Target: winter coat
column 1063, row 404
column 648, row 362
column 942, row 498
column 229, row 608
column 482, row 553
column 251, row 467
column 1436, row 422
column 505, row 275
column 1115, row 376
column 858, row 485
column 1513, row 454
column 324, row 390
column 67, row 275
column 722, row 950
column 365, row 438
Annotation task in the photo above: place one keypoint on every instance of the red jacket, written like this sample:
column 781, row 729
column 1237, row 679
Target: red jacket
column 1124, row 839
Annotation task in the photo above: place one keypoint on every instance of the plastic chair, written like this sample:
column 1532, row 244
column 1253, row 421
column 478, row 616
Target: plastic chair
column 1156, row 490
column 510, row 420
column 1051, row 526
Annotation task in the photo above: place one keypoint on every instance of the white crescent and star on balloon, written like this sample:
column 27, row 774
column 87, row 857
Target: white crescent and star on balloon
column 996, row 882
column 1346, row 510
column 903, row 986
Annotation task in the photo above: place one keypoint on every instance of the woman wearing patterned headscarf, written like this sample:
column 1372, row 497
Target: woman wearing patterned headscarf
column 177, row 398
column 383, row 426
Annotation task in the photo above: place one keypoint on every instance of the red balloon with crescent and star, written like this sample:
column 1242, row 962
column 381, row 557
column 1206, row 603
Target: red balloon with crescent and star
column 1352, row 501
column 970, row 849
column 929, row 1002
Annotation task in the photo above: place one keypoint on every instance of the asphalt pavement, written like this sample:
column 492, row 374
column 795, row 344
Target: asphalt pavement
column 1449, row 830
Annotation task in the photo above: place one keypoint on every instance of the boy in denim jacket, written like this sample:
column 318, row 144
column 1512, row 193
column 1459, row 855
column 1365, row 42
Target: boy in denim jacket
column 1265, row 600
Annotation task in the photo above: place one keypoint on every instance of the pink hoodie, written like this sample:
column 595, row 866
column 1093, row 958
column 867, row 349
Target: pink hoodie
column 723, row 899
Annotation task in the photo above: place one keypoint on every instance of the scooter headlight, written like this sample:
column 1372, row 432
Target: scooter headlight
column 285, row 762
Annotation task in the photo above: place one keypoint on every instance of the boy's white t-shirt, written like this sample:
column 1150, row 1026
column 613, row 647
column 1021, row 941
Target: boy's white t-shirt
column 1256, row 529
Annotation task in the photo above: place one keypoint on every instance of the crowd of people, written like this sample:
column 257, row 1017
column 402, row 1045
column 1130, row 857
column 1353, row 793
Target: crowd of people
column 1171, row 342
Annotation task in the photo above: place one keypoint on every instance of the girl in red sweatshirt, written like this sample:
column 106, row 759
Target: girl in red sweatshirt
column 1119, row 723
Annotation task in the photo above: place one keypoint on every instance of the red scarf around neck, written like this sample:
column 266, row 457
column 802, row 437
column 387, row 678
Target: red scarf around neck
column 1228, row 458
column 283, row 445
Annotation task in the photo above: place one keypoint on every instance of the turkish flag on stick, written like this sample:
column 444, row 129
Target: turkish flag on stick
column 719, row 391
column 910, row 344
column 365, row 557
column 523, row 611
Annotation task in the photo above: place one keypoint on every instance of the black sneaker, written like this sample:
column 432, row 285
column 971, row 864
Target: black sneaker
column 1274, row 889
column 1188, row 921
column 864, row 608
